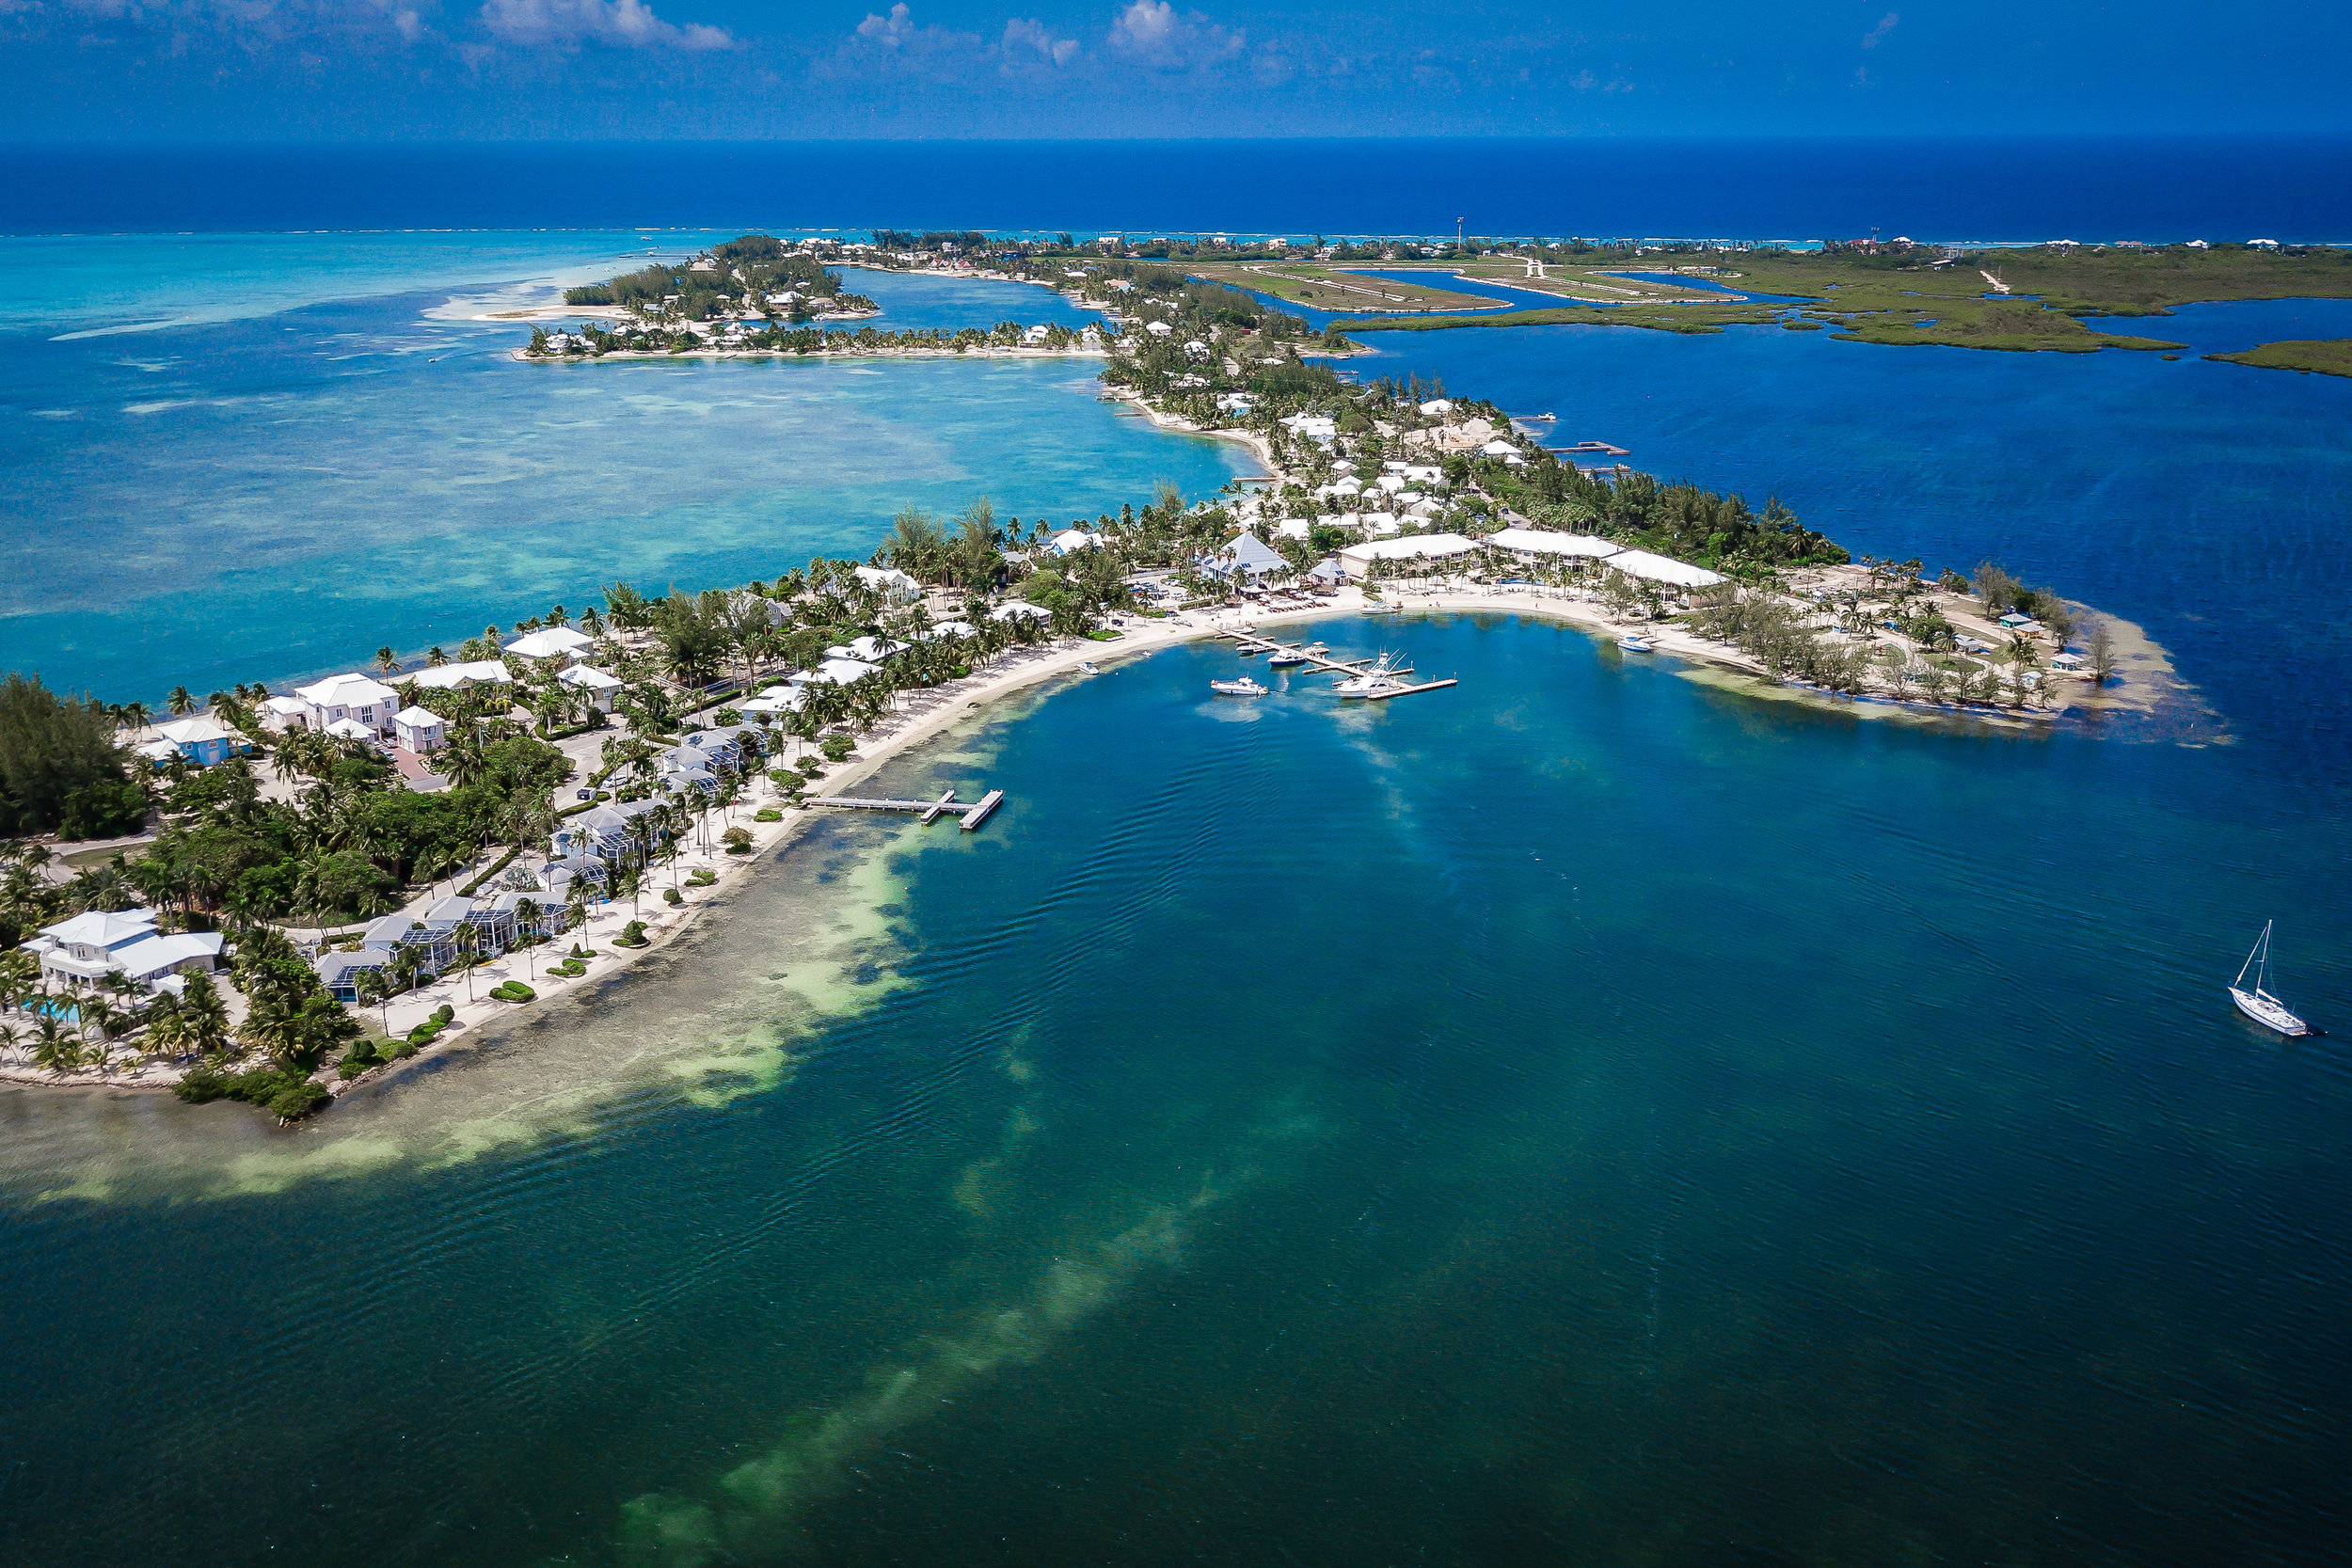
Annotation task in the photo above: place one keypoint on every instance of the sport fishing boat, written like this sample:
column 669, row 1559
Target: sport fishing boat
column 1283, row 659
column 2258, row 1003
column 1242, row 688
column 1383, row 674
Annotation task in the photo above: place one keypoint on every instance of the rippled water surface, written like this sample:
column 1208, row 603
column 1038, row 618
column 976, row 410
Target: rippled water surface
column 1583, row 1115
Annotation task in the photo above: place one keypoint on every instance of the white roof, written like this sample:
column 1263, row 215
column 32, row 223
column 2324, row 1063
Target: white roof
column 1158, row 330
column 345, row 691
column 552, row 643
column 285, row 706
column 590, row 677
column 158, row 750
column 948, row 628
column 1542, row 540
column 184, row 732
column 448, row 677
column 1438, row 405
column 1019, row 609
column 780, row 699
column 103, row 928
column 1658, row 568
column 350, row 729
column 836, row 671
column 142, row 959
column 1498, row 447
column 868, row 649
column 1075, row 539
column 885, row 576
column 1427, row 547
column 417, row 717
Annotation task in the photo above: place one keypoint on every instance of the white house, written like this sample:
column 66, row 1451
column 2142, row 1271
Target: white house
column 1021, row 611
column 1312, row 427
column 1075, row 539
column 774, row 703
column 600, row 687
column 559, row 643
column 420, row 731
column 458, row 677
column 352, row 699
column 285, row 713
column 833, row 672
column 1438, row 405
column 1158, row 330
column 88, row 947
column 891, row 584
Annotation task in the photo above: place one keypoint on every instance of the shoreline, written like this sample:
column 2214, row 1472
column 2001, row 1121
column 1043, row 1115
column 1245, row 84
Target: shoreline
column 922, row 720
column 524, row 356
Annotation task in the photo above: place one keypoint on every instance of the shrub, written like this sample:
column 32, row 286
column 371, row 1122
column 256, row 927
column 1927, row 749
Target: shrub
column 738, row 841
column 768, row 814
column 289, row 1095
column 297, row 1101
column 837, row 747
column 514, row 991
column 632, row 934
column 672, row 896
column 405, row 1049
column 444, row 1013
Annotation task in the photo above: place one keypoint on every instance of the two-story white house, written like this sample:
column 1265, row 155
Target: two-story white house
column 83, row 951
column 353, row 699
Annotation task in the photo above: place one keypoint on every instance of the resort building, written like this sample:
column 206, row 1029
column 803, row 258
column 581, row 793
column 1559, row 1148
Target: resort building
column 599, row 687
column 560, row 646
column 1529, row 546
column 83, row 951
column 833, row 672
column 600, row 833
column 1659, row 569
column 1361, row 560
column 1246, row 558
column 775, row 703
column 352, row 699
column 420, row 731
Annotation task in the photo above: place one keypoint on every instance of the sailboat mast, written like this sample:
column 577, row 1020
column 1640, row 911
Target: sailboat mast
column 2262, row 972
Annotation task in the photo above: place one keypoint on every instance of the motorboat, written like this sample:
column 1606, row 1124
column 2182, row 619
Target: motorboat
column 1381, row 676
column 1634, row 644
column 1242, row 688
column 1088, row 667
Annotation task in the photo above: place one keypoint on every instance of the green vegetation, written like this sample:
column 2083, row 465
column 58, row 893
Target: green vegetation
column 1325, row 288
column 1661, row 318
column 2324, row 356
column 512, row 991
column 60, row 767
column 756, row 275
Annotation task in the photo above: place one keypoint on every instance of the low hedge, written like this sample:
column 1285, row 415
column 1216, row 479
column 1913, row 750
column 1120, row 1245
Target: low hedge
column 512, row 991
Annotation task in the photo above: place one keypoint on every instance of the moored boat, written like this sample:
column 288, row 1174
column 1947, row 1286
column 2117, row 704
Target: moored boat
column 1633, row 644
column 1242, row 688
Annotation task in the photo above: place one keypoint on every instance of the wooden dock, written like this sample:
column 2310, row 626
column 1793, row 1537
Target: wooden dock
column 929, row 811
column 1406, row 691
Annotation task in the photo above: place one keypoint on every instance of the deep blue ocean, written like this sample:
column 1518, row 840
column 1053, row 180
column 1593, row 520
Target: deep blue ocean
column 1592, row 1114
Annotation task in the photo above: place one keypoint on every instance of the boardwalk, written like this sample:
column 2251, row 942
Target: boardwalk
column 929, row 811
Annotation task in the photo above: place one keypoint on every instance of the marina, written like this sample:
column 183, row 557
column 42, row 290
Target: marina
column 1371, row 679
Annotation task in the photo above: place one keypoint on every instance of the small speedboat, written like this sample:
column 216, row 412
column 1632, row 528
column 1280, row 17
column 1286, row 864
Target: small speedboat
column 1242, row 688
column 1633, row 644
column 2258, row 1003
column 1087, row 666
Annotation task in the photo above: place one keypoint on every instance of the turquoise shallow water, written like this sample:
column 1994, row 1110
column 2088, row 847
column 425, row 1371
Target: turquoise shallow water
column 271, row 496
column 1583, row 1115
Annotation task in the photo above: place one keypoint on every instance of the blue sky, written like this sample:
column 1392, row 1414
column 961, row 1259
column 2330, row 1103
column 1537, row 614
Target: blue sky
column 465, row 70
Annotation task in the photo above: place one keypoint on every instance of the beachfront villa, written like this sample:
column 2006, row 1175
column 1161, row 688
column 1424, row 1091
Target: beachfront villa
column 600, row 687
column 1071, row 539
column 833, row 672
column 201, row 741
column 559, row 645
column 1312, row 427
column 775, row 702
column 353, row 699
column 460, row 678
column 602, row 832
column 420, row 731
column 895, row 586
column 83, row 951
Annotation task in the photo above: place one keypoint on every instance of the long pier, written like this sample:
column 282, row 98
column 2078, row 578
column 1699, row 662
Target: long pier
column 929, row 811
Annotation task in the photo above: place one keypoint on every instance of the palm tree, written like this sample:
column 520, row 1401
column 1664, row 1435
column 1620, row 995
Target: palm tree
column 54, row 1047
column 527, row 928
column 372, row 987
column 180, row 701
column 205, row 1014
column 387, row 661
column 466, row 932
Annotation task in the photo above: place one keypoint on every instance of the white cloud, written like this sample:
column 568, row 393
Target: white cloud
column 1886, row 25
column 620, row 24
column 1030, row 42
column 1152, row 34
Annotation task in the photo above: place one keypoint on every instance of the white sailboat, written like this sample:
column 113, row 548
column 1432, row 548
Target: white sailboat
column 2258, row 1003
